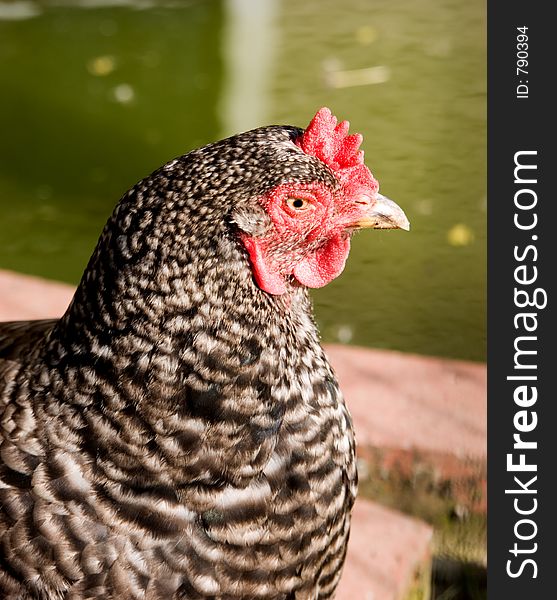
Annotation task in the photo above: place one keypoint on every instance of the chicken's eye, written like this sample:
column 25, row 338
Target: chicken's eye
column 298, row 204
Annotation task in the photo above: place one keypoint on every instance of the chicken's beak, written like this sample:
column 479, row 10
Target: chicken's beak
column 384, row 214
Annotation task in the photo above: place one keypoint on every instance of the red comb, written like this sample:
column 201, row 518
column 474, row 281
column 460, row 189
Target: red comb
column 331, row 144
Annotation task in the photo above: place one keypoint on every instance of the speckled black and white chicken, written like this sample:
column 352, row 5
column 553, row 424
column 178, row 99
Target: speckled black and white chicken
column 179, row 432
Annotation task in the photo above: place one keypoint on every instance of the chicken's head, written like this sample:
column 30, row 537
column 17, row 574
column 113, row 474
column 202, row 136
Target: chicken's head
column 310, row 221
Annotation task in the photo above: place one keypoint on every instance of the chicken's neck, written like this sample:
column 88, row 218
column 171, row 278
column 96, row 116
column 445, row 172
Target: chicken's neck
column 166, row 301
column 168, row 358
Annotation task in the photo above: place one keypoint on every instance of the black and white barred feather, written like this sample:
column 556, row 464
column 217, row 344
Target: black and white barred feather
column 178, row 433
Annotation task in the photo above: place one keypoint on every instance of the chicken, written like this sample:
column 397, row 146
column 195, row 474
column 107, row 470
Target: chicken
column 179, row 432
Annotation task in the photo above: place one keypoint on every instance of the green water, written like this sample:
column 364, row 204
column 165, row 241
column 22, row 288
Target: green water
column 95, row 94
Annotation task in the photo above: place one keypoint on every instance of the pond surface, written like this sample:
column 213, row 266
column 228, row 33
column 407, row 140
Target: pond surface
column 96, row 94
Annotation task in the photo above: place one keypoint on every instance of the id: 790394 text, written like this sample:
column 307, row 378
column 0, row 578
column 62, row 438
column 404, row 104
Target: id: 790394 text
column 522, row 62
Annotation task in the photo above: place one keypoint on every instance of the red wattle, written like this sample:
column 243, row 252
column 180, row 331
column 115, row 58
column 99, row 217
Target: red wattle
column 326, row 264
column 269, row 281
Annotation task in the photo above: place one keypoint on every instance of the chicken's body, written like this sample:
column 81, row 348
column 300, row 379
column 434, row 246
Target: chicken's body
column 179, row 433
